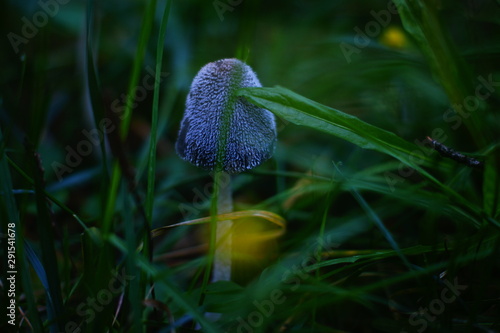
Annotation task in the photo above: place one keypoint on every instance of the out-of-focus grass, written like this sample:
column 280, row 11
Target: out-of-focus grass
column 376, row 234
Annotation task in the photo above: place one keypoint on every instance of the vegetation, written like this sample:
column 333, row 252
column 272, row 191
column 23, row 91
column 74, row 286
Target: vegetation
column 379, row 212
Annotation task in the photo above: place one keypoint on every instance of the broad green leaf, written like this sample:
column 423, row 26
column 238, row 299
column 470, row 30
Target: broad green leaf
column 305, row 112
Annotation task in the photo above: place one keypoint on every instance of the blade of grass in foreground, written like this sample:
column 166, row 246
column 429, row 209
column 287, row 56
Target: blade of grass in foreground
column 421, row 20
column 154, row 116
column 378, row 222
column 304, row 112
column 55, row 309
column 134, row 287
column 134, row 80
column 151, row 176
column 48, row 195
column 12, row 214
column 151, row 170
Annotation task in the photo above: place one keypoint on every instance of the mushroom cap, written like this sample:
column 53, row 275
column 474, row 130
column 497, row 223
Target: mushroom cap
column 220, row 130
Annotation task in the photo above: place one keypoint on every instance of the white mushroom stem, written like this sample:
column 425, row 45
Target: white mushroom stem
column 224, row 243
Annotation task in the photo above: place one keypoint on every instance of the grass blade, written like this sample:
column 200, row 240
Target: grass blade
column 8, row 203
column 47, row 245
column 126, row 117
column 421, row 20
column 154, row 117
column 304, row 112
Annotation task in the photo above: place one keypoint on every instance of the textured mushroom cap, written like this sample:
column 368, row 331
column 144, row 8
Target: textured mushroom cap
column 215, row 116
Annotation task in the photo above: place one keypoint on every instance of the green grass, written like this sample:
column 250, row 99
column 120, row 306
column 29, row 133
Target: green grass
column 379, row 226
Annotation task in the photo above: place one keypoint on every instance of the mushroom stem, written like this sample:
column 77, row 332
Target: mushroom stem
column 223, row 250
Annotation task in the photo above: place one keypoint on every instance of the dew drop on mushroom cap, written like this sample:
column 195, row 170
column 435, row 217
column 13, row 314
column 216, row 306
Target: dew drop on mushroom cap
column 212, row 109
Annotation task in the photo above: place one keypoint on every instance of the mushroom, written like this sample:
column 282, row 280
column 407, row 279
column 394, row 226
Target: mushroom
column 224, row 133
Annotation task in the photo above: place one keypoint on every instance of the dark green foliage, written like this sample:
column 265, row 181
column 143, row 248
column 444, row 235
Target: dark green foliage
column 383, row 233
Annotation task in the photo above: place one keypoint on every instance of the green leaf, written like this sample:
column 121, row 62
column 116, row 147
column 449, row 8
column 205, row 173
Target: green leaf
column 305, row 112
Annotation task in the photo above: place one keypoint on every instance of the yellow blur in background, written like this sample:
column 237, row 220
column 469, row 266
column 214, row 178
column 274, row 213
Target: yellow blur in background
column 394, row 37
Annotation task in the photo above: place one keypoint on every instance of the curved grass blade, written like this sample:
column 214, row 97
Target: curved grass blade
column 51, row 197
column 47, row 245
column 42, row 275
column 304, row 112
column 421, row 20
column 268, row 216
